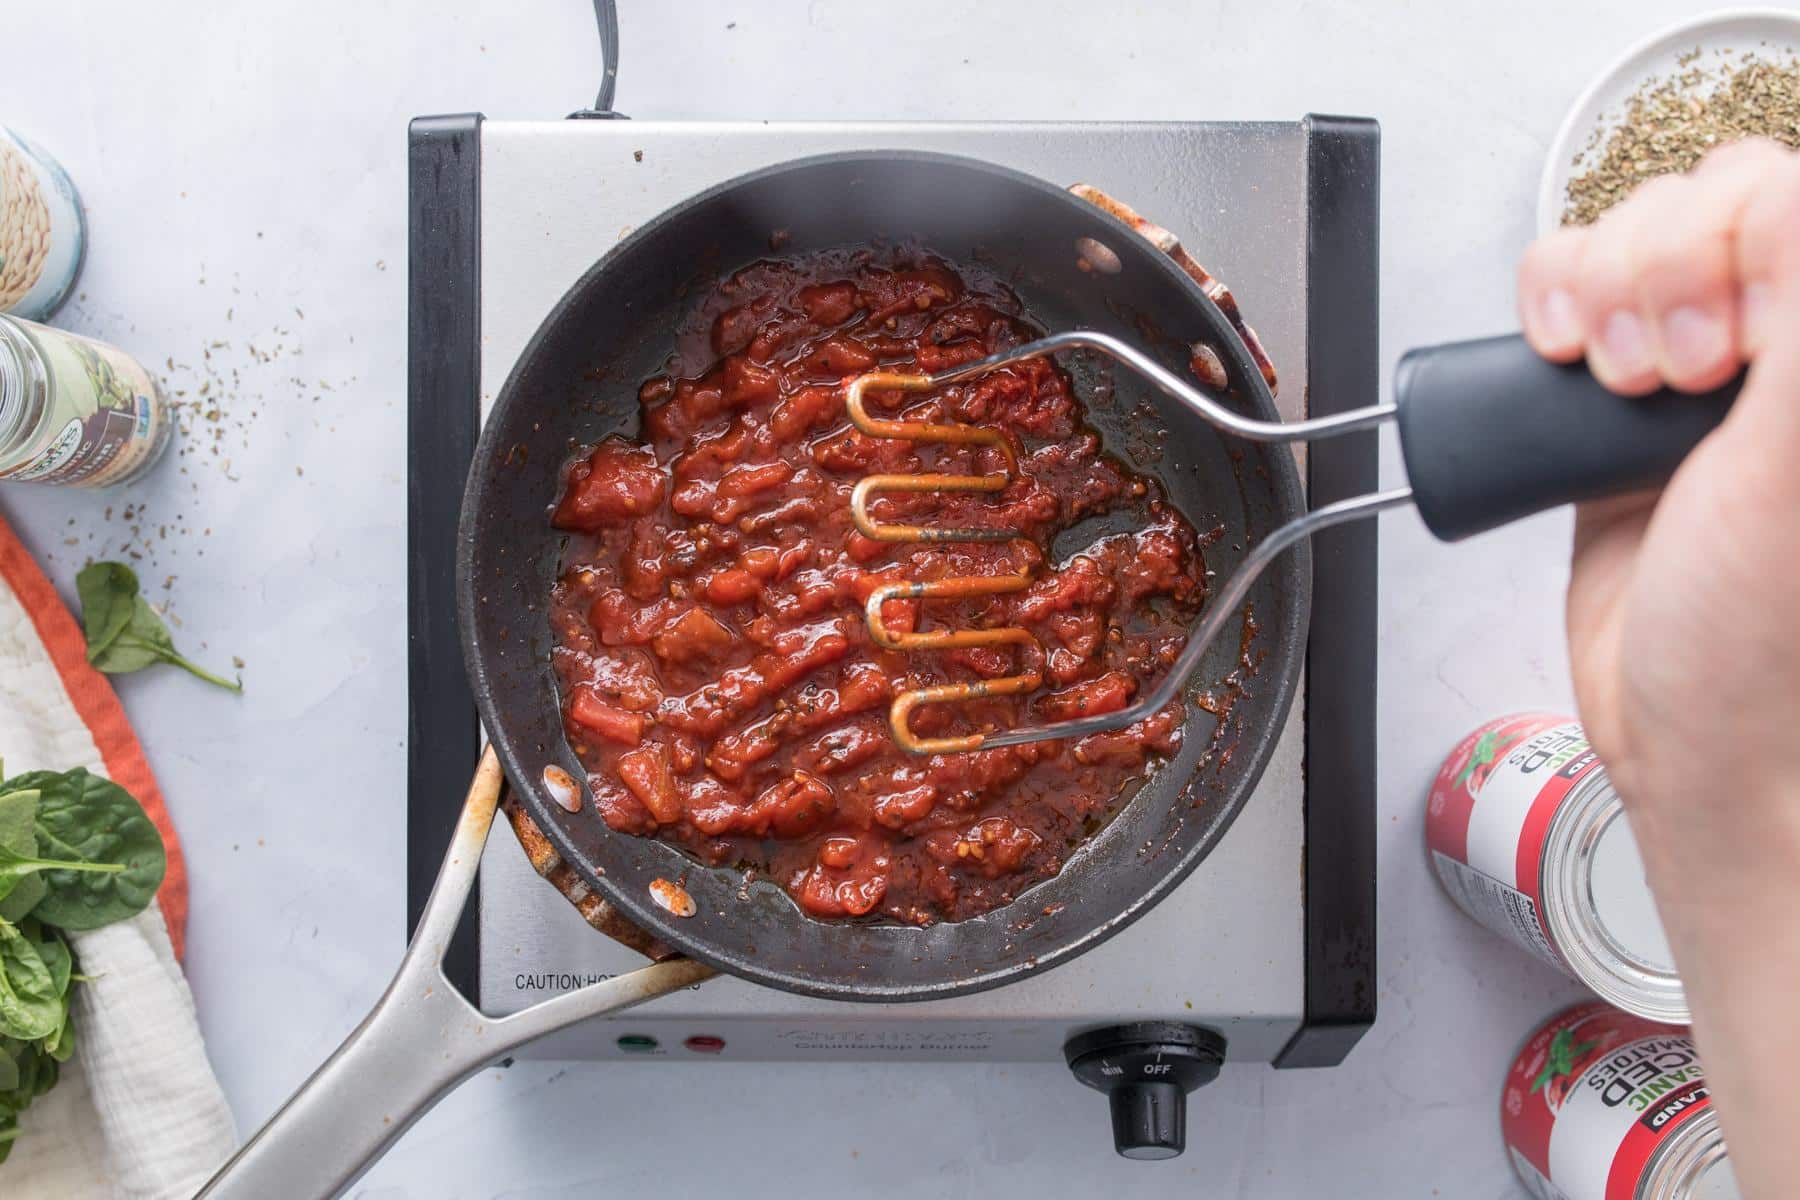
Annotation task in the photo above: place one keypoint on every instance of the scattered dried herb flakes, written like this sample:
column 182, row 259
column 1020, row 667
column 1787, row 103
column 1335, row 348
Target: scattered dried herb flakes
column 1669, row 124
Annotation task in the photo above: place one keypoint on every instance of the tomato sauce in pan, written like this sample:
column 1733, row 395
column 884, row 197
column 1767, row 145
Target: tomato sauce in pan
column 718, row 681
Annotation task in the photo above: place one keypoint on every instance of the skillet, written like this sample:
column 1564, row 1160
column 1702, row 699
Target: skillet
column 576, row 382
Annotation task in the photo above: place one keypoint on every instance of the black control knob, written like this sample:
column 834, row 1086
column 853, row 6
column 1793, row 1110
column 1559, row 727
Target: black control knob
column 1147, row 1069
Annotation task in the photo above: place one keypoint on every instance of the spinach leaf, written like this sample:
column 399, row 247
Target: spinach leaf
column 18, row 820
column 23, row 898
column 108, row 592
column 30, row 1007
column 14, row 867
column 28, row 1073
column 19, row 860
column 48, row 1070
column 61, row 1045
column 18, row 833
column 138, row 646
column 20, row 1077
column 29, row 1077
column 124, row 634
column 55, row 953
column 95, row 821
column 76, row 851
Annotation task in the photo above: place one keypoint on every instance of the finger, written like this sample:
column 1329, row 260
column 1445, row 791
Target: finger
column 1767, row 252
column 1762, row 153
column 1548, row 314
column 1764, row 423
column 1619, row 346
column 1685, row 284
column 1767, row 412
column 1685, row 263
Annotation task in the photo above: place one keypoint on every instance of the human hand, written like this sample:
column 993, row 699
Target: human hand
column 1684, row 603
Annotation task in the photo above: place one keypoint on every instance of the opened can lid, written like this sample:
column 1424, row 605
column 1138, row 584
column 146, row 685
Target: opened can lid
column 1716, row 1182
column 1598, row 909
column 1622, row 901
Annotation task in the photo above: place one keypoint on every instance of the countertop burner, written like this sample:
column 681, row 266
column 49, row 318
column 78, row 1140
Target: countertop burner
column 1266, row 945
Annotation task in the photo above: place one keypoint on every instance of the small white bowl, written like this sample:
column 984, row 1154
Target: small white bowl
column 1773, row 33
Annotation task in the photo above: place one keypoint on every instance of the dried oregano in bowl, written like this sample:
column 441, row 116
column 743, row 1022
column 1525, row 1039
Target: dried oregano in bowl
column 1668, row 124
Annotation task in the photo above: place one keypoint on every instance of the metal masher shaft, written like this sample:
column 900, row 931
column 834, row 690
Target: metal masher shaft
column 1166, row 381
column 1220, row 608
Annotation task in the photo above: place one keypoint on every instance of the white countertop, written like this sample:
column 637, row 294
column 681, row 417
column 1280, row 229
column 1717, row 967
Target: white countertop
column 244, row 172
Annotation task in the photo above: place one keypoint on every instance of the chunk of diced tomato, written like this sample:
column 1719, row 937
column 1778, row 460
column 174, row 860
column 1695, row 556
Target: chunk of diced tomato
column 611, row 722
column 646, row 772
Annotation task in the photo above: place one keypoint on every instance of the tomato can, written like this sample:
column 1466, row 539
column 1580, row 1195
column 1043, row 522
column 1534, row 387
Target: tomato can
column 1602, row 1105
column 1528, row 836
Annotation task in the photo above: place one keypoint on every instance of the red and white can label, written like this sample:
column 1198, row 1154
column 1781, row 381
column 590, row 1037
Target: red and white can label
column 1490, row 807
column 1590, row 1098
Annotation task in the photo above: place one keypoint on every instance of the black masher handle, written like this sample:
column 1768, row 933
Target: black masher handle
column 1491, row 433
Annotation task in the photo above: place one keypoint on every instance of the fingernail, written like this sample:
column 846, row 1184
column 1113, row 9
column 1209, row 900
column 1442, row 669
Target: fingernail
column 1622, row 342
column 1756, row 312
column 1694, row 340
column 1558, row 322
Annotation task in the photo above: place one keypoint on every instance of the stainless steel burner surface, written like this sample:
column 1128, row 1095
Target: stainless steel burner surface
column 1226, row 950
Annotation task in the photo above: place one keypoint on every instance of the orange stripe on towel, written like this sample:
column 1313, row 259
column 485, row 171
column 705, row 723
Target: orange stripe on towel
column 98, row 706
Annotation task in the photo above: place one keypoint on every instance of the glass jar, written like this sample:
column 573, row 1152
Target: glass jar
column 74, row 411
column 43, row 232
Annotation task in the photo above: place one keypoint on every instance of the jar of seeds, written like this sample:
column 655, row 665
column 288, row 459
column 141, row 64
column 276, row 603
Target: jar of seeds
column 42, row 231
column 74, row 411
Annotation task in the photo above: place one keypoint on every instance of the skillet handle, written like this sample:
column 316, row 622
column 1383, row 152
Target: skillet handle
column 419, row 1042
column 1491, row 433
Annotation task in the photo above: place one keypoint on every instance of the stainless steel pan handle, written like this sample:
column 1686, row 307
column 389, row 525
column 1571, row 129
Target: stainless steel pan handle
column 419, row 1042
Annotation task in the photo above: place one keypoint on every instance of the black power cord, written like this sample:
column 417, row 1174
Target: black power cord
column 606, row 16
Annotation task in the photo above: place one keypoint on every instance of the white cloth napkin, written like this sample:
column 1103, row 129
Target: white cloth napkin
column 137, row 1113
